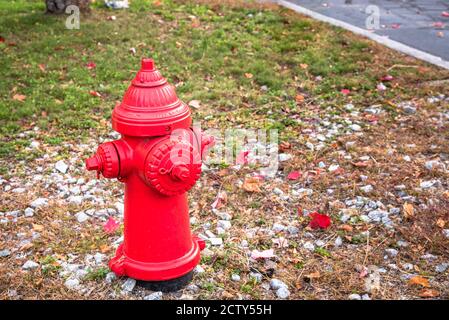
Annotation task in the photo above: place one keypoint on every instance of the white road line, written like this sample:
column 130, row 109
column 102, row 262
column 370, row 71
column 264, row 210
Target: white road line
column 384, row 40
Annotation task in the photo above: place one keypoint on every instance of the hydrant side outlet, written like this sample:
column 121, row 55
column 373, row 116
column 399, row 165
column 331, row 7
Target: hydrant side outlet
column 158, row 158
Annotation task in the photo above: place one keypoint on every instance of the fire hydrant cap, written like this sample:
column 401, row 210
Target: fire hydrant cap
column 150, row 106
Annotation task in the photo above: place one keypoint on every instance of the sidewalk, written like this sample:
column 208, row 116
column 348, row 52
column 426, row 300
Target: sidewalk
column 418, row 24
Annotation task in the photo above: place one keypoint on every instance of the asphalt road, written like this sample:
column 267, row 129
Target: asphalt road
column 419, row 24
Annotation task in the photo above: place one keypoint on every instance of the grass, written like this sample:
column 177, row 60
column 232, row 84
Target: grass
column 219, row 54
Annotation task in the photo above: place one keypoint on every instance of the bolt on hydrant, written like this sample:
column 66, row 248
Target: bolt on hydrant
column 158, row 158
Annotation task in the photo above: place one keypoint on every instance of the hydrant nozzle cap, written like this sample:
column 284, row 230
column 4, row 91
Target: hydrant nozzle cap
column 147, row 64
column 93, row 164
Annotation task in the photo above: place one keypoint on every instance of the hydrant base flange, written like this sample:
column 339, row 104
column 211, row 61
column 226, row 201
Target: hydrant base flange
column 122, row 265
column 168, row 285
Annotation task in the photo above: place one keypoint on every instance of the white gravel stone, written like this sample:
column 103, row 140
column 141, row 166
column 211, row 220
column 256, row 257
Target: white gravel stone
column 129, row 285
column 367, row 189
column 338, row 241
column 30, row 265
column 61, row 166
column 391, row 252
column 309, row 246
column 427, row 184
column 18, row 190
column 224, row 224
column 199, row 269
column 154, row 296
column 235, row 278
column 333, row 167
column 282, row 293
column 4, row 253
column 276, row 284
column 284, row 157
column 81, row 217
column 446, row 233
column 354, row 296
column 29, row 212
column 72, row 284
column 256, row 275
column 293, row 230
column 355, row 127
column 39, row 202
column 277, row 227
column 34, row 144
column 120, row 207
column 110, row 277
column 366, row 297
column 216, row 241
column 441, row 267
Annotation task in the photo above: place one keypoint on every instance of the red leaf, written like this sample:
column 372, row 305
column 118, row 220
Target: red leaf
column 242, row 158
column 111, row 225
column 319, row 220
column 91, row 65
column 445, row 14
column 2, row 39
column 294, row 175
column 94, row 93
column 395, row 25
column 220, row 201
column 345, row 91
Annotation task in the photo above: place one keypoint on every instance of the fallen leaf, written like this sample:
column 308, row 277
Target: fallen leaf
column 266, row 254
column 319, row 220
column 409, row 210
column 242, row 158
column 345, row 91
column 440, row 34
column 91, row 65
column 2, row 39
column 248, row 75
column 252, row 184
column 303, row 65
column 381, row 87
column 429, row 293
column 42, row 67
column 111, row 226
column 438, row 24
column 195, row 104
column 284, row 145
column 95, row 93
column 346, row 227
column 111, row 18
column 196, row 23
column 395, row 26
column 360, row 164
column 281, row 242
column 132, row 51
column 220, row 200
column 38, row 227
column 441, row 223
column 445, row 14
column 299, row 98
column 19, row 97
column 294, row 175
column 105, row 248
column 418, row 280
column 313, row 275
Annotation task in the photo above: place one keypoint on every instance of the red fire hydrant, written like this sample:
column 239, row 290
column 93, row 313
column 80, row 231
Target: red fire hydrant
column 159, row 159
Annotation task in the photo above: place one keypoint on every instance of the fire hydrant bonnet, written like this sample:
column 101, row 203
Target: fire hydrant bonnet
column 150, row 106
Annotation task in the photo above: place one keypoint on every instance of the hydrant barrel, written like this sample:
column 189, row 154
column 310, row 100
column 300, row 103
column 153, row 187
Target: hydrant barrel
column 158, row 158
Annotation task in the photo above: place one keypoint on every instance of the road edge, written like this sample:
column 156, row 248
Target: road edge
column 384, row 40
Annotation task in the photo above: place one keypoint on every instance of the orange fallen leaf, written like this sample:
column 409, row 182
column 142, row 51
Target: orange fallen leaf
column 409, row 210
column 418, row 280
column 95, row 93
column 313, row 275
column 38, row 227
column 441, row 223
column 248, row 75
column 299, row 98
column 252, row 184
column 42, row 67
column 346, row 227
column 196, row 23
column 303, row 65
column 429, row 293
column 360, row 164
column 19, row 97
